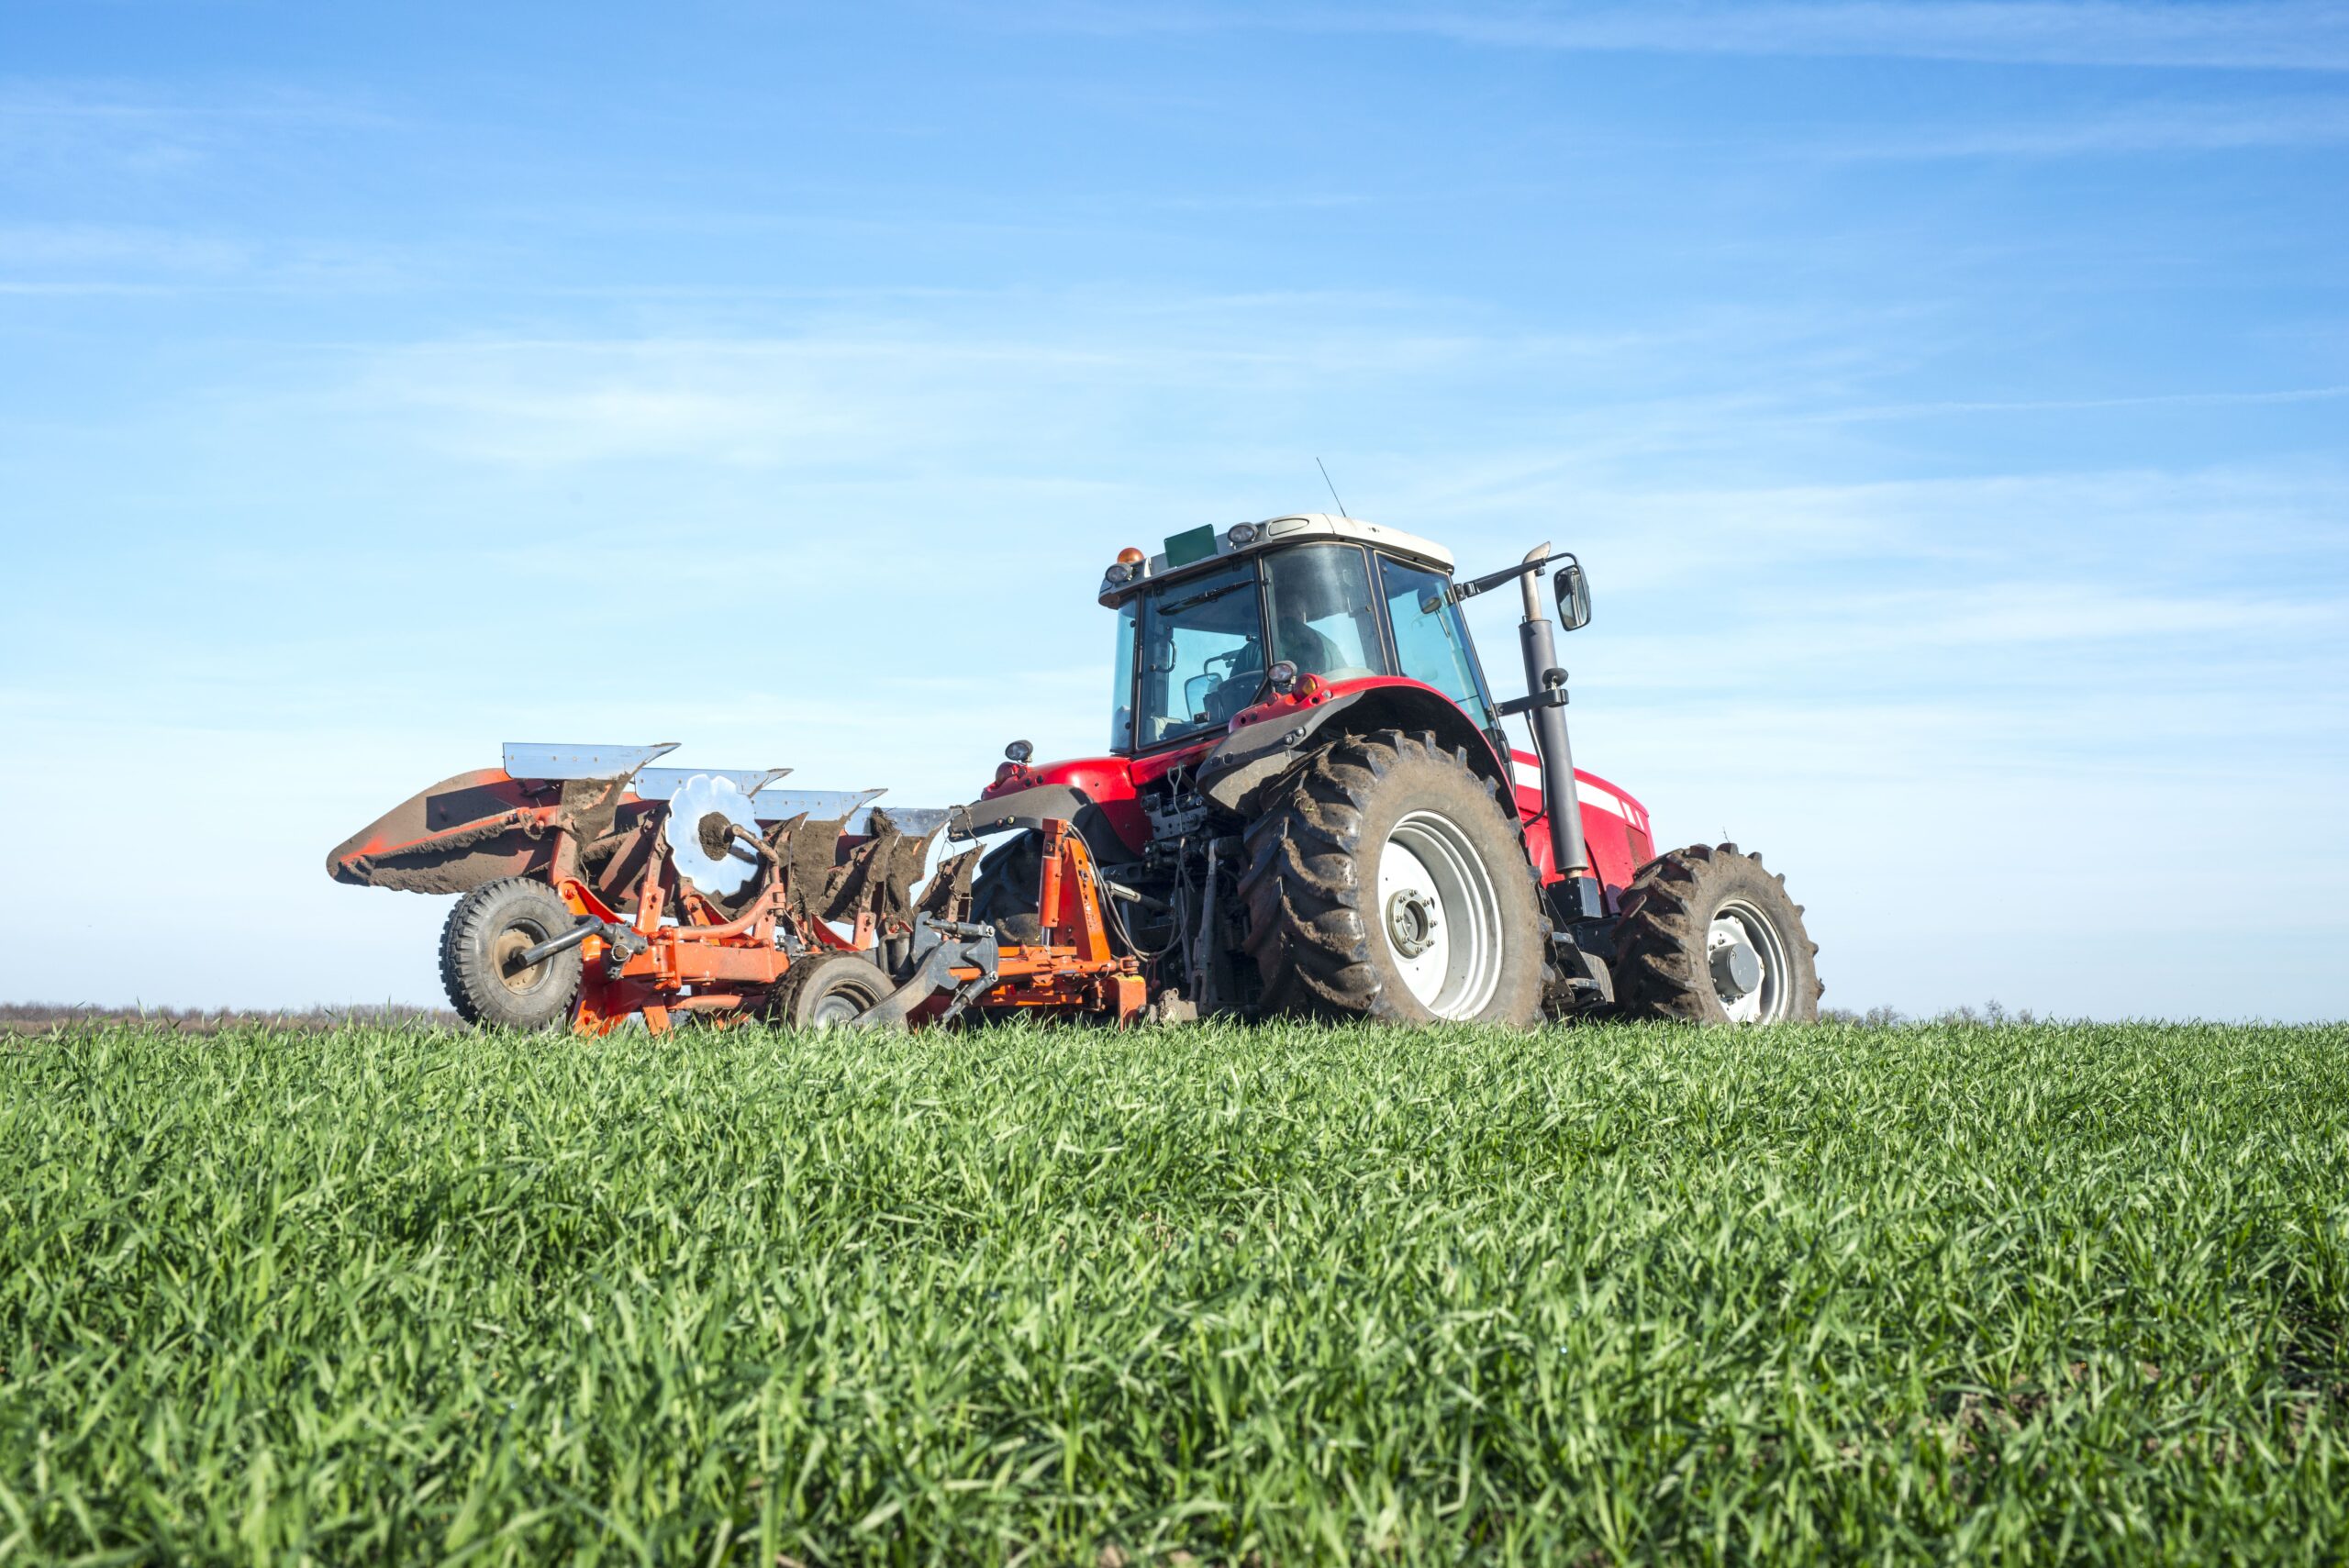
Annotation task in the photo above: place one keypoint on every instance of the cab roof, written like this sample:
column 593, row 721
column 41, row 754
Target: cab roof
column 1203, row 549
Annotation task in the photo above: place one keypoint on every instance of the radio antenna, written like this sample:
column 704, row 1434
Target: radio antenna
column 1333, row 489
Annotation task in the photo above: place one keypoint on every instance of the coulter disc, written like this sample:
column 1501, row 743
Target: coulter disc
column 702, row 815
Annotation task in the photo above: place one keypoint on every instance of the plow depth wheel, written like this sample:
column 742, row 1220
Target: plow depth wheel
column 825, row 992
column 486, row 932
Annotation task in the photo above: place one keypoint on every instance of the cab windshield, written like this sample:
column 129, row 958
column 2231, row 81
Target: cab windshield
column 1192, row 655
column 1201, row 642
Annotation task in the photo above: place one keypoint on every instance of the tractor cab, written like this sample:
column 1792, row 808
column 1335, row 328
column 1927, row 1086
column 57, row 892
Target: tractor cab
column 1317, row 620
column 1222, row 621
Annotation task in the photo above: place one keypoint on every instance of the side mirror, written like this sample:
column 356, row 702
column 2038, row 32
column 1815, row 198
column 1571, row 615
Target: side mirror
column 1573, row 597
column 1198, row 690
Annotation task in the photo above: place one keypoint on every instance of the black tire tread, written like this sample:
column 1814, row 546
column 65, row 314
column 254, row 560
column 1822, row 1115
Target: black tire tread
column 783, row 1004
column 462, row 930
column 1660, row 938
column 1307, row 928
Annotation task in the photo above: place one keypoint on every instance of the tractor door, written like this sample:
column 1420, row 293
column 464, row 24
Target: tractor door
column 1432, row 646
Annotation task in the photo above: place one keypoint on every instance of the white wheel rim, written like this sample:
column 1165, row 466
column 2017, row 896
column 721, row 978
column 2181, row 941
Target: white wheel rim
column 834, row 1011
column 1437, row 914
column 838, row 1007
column 1739, row 924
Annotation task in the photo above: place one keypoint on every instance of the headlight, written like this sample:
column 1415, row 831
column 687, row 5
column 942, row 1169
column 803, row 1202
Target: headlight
column 1243, row 535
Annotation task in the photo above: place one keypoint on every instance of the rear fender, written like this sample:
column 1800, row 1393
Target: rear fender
column 1032, row 807
column 1256, row 754
column 1027, row 808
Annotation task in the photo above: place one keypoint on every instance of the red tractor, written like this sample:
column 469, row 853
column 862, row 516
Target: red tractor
column 1309, row 806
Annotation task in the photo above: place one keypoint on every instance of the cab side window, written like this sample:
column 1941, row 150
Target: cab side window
column 1431, row 645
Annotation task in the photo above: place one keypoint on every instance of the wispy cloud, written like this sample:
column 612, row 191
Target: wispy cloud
column 2062, row 404
column 2189, row 519
column 2258, row 34
column 78, row 247
column 1059, row 375
column 86, row 258
column 2139, row 128
column 58, row 125
column 50, row 126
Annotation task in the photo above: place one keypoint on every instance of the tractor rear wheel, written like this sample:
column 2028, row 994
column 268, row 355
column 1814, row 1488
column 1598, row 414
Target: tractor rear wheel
column 1386, row 881
column 1708, row 937
column 827, row 991
column 487, row 931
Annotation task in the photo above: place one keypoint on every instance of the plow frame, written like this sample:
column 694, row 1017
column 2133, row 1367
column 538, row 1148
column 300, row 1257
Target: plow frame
column 1074, row 969
column 718, row 968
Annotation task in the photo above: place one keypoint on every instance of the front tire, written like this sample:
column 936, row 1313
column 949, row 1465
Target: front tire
column 489, row 926
column 1708, row 937
column 1388, row 883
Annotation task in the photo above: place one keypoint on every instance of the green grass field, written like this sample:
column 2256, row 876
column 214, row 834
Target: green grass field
column 1273, row 1295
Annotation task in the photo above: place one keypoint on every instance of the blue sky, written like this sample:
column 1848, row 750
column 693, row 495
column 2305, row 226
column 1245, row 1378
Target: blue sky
column 1949, row 399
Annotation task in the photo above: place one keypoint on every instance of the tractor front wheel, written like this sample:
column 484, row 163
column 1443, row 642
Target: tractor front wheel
column 1388, row 883
column 1708, row 937
column 481, row 946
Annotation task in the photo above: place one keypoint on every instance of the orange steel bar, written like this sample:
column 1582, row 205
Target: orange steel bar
column 1074, row 969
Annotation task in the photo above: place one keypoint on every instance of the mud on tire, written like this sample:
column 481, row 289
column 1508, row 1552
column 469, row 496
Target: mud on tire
column 491, row 925
column 1678, row 911
column 1325, row 940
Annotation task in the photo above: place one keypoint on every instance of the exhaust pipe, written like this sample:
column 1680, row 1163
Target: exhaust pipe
column 1546, row 709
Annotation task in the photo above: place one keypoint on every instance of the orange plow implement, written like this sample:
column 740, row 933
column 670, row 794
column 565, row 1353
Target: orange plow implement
column 597, row 889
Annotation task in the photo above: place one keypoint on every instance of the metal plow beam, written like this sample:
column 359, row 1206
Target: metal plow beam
column 597, row 813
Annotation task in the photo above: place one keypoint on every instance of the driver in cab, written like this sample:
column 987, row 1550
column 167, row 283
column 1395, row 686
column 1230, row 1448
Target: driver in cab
column 1300, row 598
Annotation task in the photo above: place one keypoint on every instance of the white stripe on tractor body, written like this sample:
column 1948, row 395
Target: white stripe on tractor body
column 1604, row 799
column 1529, row 777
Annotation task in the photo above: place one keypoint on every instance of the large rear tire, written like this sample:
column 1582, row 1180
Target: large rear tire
column 486, row 930
column 1708, row 937
column 1386, row 881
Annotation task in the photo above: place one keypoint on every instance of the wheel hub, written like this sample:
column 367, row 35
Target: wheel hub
column 1410, row 922
column 1747, row 961
column 1439, row 914
column 834, row 1011
column 506, row 954
column 1737, row 968
column 717, row 834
